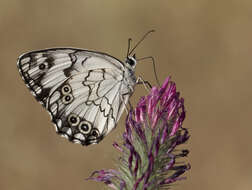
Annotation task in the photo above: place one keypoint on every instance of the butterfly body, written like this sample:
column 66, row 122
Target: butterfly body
column 84, row 91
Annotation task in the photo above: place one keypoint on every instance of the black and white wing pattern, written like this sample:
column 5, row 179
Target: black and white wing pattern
column 85, row 92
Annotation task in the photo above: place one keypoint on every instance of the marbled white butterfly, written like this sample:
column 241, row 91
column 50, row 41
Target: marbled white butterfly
column 84, row 91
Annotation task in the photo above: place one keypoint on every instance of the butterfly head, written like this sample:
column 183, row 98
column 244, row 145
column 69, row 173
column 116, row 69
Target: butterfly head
column 131, row 61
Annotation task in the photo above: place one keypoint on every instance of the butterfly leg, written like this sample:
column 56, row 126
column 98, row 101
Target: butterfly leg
column 140, row 80
column 154, row 67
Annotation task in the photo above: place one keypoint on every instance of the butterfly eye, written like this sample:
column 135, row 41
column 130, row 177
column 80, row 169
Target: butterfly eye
column 66, row 89
column 73, row 120
column 67, row 99
column 131, row 61
column 85, row 127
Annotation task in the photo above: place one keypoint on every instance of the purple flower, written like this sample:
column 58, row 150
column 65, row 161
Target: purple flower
column 148, row 150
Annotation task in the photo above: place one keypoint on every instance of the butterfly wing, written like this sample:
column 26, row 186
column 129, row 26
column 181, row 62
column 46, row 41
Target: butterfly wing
column 84, row 91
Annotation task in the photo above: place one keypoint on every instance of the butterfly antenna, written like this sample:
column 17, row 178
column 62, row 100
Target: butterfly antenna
column 146, row 34
column 129, row 40
column 154, row 67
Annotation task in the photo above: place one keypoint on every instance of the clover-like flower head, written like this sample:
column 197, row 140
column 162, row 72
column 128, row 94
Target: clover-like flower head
column 148, row 150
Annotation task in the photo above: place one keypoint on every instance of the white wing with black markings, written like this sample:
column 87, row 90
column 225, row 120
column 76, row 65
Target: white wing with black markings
column 85, row 92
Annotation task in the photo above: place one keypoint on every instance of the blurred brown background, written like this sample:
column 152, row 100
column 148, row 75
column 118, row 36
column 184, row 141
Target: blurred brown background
column 205, row 45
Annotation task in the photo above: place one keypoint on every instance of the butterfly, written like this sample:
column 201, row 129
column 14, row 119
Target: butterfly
column 85, row 92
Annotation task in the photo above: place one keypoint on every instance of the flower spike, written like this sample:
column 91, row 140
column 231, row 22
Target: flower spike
column 148, row 150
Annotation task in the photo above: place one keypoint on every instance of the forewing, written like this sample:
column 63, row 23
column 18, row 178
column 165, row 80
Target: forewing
column 43, row 71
